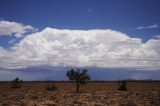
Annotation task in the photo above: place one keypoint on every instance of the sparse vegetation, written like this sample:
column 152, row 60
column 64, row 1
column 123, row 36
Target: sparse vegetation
column 78, row 76
column 16, row 83
column 51, row 87
column 97, row 94
column 33, row 97
column 122, row 86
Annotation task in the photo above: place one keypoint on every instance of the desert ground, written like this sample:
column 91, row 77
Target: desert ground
column 145, row 93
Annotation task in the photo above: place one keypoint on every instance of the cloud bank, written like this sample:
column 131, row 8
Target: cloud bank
column 157, row 36
column 8, row 28
column 82, row 48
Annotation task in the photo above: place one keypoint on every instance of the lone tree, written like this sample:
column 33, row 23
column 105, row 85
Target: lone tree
column 79, row 76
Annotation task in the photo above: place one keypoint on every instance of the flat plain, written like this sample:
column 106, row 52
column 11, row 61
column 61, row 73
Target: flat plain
column 94, row 93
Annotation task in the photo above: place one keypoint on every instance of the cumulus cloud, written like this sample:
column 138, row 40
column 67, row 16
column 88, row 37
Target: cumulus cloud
column 82, row 48
column 8, row 28
column 147, row 27
column 2, row 52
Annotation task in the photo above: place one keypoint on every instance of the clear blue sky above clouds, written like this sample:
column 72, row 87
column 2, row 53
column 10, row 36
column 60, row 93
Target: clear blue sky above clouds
column 121, row 15
column 136, row 18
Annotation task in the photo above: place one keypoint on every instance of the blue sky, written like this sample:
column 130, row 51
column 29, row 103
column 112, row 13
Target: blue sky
column 120, row 15
column 138, row 19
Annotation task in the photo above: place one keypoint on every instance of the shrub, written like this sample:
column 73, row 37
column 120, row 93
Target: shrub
column 122, row 86
column 16, row 83
column 51, row 87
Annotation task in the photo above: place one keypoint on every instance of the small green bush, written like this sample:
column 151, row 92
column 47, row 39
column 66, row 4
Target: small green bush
column 51, row 87
column 122, row 86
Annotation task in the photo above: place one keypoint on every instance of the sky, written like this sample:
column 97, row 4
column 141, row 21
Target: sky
column 113, row 39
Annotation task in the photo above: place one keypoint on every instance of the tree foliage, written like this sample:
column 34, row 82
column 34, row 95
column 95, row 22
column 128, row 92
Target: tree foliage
column 79, row 76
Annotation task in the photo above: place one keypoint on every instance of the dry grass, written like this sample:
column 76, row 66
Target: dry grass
column 92, row 94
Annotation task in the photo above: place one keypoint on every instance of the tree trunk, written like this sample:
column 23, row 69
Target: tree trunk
column 77, row 90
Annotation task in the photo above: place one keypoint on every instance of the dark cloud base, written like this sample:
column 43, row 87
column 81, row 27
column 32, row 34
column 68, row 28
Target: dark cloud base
column 59, row 73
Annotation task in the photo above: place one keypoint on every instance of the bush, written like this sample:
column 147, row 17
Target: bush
column 16, row 83
column 122, row 86
column 51, row 87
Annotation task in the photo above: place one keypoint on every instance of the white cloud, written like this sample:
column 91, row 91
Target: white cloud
column 148, row 27
column 2, row 52
column 156, row 36
column 8, row 28
column 82, row 48
column 12, row 41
